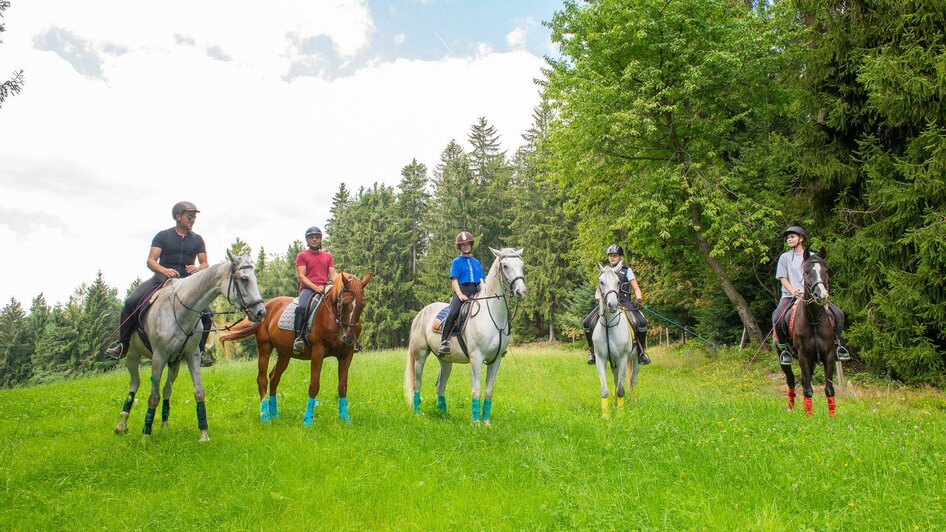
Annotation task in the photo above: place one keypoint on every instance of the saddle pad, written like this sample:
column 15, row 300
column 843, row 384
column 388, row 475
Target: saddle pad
column 459, row 326
column 287, row 320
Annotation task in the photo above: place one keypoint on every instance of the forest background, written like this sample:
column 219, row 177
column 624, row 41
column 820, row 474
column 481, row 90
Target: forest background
column 691, row 132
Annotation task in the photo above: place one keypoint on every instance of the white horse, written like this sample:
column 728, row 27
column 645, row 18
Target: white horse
column 173, row 328
column 613, row 339
column 486, row 336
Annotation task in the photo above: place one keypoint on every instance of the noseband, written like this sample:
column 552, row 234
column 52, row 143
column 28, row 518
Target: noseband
column 338, row 309
column 233, row 285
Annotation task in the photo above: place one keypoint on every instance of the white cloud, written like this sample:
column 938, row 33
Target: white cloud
column 260, row 156
column 517, row 38
column 400, row 39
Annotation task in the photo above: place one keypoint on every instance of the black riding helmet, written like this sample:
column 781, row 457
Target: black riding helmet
column 614, row 248
column 313, row 231
column 797, row 230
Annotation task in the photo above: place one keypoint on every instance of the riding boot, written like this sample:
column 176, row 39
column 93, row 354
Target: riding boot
column 298, row 346
column 642, row 357
column 206, row 359
column 120, row 348
column 591, row 348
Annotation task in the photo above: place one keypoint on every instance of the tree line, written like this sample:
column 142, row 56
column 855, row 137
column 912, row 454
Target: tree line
column 692, row 132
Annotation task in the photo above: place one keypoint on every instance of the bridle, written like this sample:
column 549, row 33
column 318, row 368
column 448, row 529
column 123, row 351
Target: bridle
column 338, row 308
column 232, row 286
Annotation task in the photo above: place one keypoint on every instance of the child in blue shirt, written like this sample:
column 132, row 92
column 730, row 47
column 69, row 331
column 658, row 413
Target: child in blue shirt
column 466, row 273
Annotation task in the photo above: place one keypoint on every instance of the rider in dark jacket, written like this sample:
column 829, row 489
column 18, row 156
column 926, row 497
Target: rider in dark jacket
column 628, row 282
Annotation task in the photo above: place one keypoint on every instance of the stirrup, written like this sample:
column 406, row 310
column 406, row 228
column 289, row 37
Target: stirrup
column 298, row 346
column 209, row 360
column 842, row 353
column 444, row 347
column 591, row 358
column 642, row 358
column 785, row 358
column 116, row 351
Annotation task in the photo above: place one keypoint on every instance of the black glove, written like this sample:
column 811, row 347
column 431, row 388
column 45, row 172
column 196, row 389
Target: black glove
column 639, row 304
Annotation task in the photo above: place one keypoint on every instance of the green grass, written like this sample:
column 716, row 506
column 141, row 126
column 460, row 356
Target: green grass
column 707, row 444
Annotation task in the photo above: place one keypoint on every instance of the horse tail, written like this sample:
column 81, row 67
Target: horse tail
column 242, row 329
column 409, row 374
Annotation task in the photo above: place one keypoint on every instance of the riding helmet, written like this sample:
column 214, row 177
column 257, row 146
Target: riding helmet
column 614, row 248
column 464, row 237
column 181, row 207
column 313, row 231
column 797, row 230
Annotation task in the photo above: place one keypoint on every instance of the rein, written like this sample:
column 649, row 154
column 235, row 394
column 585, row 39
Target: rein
column 510, row 316
column 232, row 286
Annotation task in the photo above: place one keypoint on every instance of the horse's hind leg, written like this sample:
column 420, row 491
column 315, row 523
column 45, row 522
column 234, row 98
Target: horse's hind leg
column 806, row 370
column 157, row 370
column 343, row 366
column 601, row 366
column 790, row 380
column 491, row 371
column 193, row 365
column 168, row 387
column 445, row 368
column 419, row 359
column 829, row 384
column 132, row 364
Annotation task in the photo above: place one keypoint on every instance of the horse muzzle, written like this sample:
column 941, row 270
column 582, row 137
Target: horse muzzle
column 256, row 314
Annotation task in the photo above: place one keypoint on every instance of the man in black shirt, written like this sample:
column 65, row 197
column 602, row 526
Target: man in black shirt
column 172, row 254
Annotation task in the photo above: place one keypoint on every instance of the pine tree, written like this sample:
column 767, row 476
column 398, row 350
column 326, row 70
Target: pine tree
column 15, row 345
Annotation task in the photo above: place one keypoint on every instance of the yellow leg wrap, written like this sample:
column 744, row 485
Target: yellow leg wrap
column 605, row 407
column 620, row 402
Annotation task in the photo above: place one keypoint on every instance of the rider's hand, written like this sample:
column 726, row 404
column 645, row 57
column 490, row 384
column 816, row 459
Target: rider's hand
column 797, row 293
column 169, row 272
column 639, row 303
column 462, row 297
column 190, row 268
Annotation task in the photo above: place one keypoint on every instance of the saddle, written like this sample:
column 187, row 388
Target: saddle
column 788, row 320
column 140, row 325
column 459, row 325
column 287, row 320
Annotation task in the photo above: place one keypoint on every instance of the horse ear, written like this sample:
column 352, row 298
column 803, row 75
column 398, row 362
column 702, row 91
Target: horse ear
column 230, row 255
column 367, row 279
column 496, row 252
column 519, row 252
column 600, row 268
column 823, row 253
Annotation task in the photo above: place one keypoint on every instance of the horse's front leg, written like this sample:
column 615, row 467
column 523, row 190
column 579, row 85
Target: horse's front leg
column 315, row 377
column 790, row 381
column 445, row 368
column 158, row 362
column 620, row 372
column 193, row 365
column 168, row 387
column 275, row 376
column 601, row 365
column 131, row 362
column 491, row 371
column 804, row 360
column 476, row 365
column 829, row 384
column 343, row 365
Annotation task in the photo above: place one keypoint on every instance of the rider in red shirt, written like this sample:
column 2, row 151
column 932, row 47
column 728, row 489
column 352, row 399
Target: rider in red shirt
column 315, row 269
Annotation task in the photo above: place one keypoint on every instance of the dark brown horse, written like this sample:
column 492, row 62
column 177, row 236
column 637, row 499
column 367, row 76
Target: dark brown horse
column 812, row 333
column 336, row 326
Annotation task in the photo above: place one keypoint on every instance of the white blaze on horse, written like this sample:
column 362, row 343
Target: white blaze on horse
column 486, row 336
column 613, row 339
column 172, row 325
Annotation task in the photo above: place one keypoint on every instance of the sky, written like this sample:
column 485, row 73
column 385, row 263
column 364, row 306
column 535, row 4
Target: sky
column 254, row 111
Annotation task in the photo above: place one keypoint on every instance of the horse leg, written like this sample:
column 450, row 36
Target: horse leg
column 805, row 362
column 275, row 377
column 491, row 371
column 418, row 378
column 601, row 366
column 790, row 380
column 620, row 372
column 314, row 381
column 343, row 366
column 262, row 367
column 131, row 362
column 829, row 384
column 193, row 364
column 445, row 368
column 157, row 370
column 476, row 365
column 168, row 387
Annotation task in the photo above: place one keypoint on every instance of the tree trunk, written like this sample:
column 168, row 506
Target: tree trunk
column 742, row 308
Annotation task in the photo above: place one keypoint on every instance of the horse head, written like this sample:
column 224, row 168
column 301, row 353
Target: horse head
column 349, row 297
column 815, row 272
column 512, row 269
column 242, row 288
column 609, row 284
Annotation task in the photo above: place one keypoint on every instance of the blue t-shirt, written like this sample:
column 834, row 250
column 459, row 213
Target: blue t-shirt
column 466, row 270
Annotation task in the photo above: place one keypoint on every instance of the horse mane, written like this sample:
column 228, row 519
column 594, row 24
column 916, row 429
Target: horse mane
column 338, row 283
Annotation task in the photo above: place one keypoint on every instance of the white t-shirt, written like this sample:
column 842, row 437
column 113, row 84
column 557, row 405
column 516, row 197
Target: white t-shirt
column 789, row 267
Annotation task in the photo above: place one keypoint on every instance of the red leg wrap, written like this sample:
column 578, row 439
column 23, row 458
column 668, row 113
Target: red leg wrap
column 791, row 399
column 808, row 406
column 831, row 407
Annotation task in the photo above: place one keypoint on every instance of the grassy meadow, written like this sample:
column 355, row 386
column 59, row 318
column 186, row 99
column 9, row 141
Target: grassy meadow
column 707, row 444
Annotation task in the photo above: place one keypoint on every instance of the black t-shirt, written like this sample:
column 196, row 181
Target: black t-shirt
column 176, row 251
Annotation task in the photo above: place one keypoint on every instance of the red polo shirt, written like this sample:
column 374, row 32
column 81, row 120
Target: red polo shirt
column 316, row 265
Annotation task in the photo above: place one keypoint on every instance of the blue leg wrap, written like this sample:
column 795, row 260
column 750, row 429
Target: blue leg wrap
column 149, row 420
column 201, row 415
column 476, row 409
column 343, row 409
column 273, row 412
column 165, row 410
column 128, row 402
column 309, row 414
column 442, row 404
column 264, row 411
column 487, row 406
column 416, row 402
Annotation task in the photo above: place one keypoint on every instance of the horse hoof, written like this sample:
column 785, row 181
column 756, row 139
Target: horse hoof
column 307, row 422
column 346, row 420
column 120, row 430
column 486, row 423
column 164, row 425
column 203, row 437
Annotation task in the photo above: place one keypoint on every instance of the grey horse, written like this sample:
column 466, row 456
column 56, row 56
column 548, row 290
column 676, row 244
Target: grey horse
column 613, row 339
column 173, row 328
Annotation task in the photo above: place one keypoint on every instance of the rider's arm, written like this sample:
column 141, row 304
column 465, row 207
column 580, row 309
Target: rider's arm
column 202, row 263
column 153, row 265
column 456, row 289
column 637, row 289
column 788, row 286
column 332, row 273
column 304, row 281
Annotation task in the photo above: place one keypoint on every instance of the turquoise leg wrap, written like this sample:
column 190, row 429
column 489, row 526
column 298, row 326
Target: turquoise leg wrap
column 264, row 411
column 343, row 410
column 149, row 420
column 273, row 413
column 442, row 404
column 487, row 406
column 416, row 402
column 309, row 414
column 476, row 409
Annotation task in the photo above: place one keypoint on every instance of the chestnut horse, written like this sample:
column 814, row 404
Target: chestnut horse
column 336, row 326
column 812, row 333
